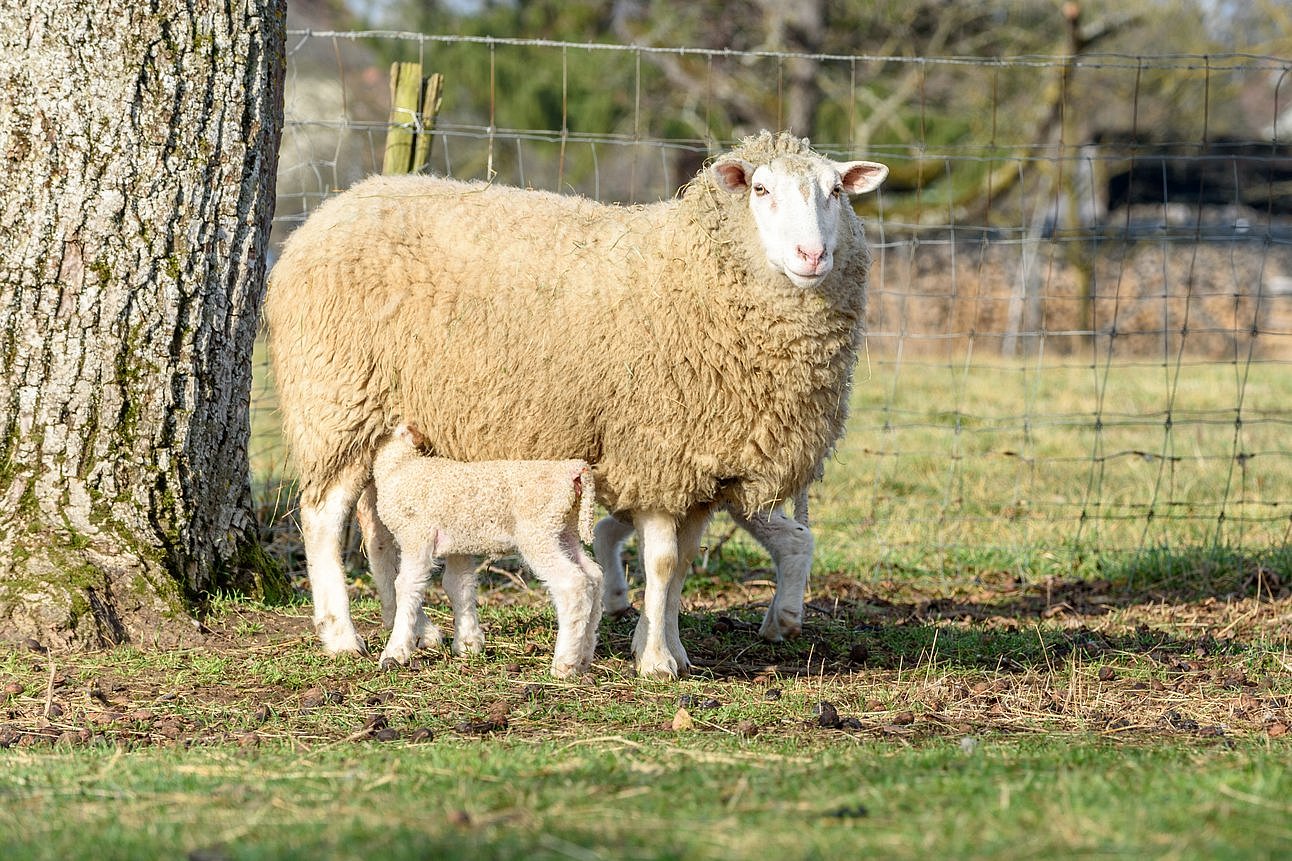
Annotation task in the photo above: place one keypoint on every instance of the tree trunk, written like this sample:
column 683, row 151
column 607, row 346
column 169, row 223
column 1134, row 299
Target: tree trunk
column 139, row 144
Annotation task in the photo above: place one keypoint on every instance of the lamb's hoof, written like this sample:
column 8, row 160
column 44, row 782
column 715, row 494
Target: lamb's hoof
column 779, row 625
column 626, row 612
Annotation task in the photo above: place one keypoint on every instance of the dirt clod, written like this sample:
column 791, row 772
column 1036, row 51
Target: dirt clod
column 1107, row 674
column 35, row 646
column 859, row 653
column 386, row 734
column 421, row 734
column 827, row 715
column 1278, row 729
column 747, row 729
column 773, row 694
column 14, row 689
column 904, row 718
column 460, row 818
column 313, row 698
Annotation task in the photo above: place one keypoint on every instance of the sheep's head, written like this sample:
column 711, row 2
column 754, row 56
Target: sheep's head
column 797, row 201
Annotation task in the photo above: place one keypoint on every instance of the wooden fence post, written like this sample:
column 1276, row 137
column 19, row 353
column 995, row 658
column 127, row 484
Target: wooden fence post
column 414, row 104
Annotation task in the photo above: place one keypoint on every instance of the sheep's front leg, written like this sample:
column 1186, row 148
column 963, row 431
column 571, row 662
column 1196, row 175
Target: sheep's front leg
column 657, row 532
column 410, row 586
column 689, row 533
column 790, row 545
column 607, row 545
column 322, row 528
column 383, row 562
column 460, row 584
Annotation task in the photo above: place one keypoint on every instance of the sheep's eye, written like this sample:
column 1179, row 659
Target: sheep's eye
column 836, row 192
column 760, row 190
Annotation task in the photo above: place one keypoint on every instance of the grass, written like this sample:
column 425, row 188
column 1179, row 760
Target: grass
column 1004, row 678
column 714, row 797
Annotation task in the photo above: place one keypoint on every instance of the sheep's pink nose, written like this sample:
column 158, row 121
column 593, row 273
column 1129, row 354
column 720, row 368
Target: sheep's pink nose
column 810, row 254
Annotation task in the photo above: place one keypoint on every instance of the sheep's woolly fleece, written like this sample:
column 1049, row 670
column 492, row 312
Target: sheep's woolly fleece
column 654, row 342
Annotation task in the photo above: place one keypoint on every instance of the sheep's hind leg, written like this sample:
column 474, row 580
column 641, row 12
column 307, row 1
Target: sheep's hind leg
column 322, row 527
column 410, row 586
column 460, row 584
column 657, row 532
column 790, row 545
column 383, row 562
column 607, row 545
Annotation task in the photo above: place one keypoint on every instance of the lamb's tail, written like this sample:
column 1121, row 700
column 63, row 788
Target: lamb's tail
column 585, row 488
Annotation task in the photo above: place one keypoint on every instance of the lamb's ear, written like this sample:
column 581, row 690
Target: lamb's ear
column 859, row 177
column 732, row 173
column 415, row 436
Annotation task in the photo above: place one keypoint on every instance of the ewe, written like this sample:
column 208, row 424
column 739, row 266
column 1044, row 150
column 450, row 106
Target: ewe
column 437, row 508
column 698, row 352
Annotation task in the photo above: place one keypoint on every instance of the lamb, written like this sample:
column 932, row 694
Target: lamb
column 442, row 508
column 698, row 351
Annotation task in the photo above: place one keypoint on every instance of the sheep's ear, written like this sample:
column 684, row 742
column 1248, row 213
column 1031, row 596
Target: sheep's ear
column 732, row 173
column 859, row 177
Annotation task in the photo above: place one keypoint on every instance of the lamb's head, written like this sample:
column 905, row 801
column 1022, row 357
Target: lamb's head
column 798, row 200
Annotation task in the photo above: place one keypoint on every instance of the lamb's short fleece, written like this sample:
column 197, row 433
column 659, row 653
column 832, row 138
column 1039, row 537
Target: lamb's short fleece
column 439, row 508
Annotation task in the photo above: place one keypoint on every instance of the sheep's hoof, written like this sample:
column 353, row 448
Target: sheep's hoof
column 340, row 642
column 568, row 670
column 616, row 605
column 428, row 635
column 626, row 612
column 663, row 667
column 392, row 659
column 468, row 644
column 779, row 625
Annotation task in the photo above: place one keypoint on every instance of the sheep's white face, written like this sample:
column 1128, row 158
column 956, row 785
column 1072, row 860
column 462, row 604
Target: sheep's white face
column 797, row 204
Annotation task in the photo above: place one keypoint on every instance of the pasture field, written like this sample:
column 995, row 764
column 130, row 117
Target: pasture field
column 984, row 672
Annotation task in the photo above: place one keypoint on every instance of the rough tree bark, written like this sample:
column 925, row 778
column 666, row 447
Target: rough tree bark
column 139, row 145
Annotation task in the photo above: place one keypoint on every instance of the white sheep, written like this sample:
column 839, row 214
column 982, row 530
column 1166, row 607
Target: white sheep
column 698, row 351
column 438, row 508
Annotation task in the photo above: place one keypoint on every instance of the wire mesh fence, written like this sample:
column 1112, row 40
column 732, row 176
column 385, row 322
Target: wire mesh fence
column 1080, row 321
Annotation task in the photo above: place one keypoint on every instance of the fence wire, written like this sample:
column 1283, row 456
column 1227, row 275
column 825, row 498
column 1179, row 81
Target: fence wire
column 1080, row 325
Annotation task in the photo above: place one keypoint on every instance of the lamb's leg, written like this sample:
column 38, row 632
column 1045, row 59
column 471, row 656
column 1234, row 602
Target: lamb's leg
column 383, row 562
column 552, row 559
column 322, row 527
column 460, row 584
column 607, row 545
column 410, row 586
column 790, row 545
column 594, row 583
column 657, row 532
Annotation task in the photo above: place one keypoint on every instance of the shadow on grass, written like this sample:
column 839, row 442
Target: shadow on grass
column 996, row 622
